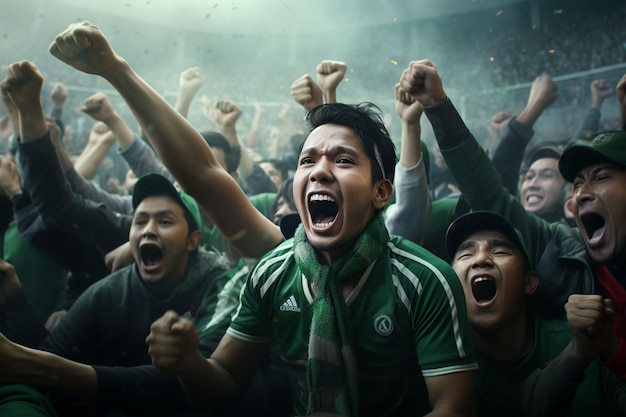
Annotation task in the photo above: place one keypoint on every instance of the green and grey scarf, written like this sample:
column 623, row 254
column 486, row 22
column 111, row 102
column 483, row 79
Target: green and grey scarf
column 332, row 369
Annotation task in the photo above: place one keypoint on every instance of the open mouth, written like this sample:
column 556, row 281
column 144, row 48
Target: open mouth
column 483, row 289
column 594, row 226
column 323, row 210
column 151, row 255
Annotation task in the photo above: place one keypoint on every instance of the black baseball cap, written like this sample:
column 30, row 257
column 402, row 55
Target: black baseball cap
column 476, row 221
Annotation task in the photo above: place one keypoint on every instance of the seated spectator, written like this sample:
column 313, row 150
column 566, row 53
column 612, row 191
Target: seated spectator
column 94, row 355
column 556, row 251
column 527, row 366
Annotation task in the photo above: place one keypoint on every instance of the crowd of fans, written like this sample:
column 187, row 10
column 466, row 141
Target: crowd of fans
column 199, row 249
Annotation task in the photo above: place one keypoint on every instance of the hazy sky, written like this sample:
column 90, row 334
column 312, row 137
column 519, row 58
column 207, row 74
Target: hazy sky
column 254, row 49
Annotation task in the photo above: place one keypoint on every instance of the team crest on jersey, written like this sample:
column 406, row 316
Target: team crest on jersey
column 383, row 325
column 290, row 304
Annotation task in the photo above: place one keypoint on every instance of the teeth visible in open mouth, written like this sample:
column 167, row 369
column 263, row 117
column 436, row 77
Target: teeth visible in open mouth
column 321, row 197
column 323, row 210
column 534, row 199
column 484, row 289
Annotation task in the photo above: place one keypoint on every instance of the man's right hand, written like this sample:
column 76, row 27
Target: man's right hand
column 590, row 317
column 173, row 342
column 422, row 81
column 84, row 47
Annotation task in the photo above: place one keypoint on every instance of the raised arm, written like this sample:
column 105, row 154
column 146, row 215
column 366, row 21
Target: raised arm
column 178, row 143
column 410, row 214
column 590, row 124
column 329, row 75
column 482, row 189
column 307, row 93
column 81, row 186
column 99, row 107
column 189, row 83
column 508, row 149
column 22, row 85
column 223, row 114
column 542, row 94
column 58, row 96
column 100, row 141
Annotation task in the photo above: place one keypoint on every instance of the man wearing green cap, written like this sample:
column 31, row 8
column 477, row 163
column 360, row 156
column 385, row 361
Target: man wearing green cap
column 98, row 351
column 597, row 170
column 527, row 366
column 565, row 258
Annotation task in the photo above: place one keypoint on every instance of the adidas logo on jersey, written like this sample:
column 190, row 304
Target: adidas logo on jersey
column 290, row 305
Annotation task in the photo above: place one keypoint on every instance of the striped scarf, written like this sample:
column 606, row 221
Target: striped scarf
column 332, row 369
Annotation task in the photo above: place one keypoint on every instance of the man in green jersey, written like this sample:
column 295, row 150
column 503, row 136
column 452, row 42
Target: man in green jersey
column 513, row 345
column 367, row 324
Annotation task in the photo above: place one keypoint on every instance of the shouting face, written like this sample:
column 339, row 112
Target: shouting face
column 333, row 189
column 495, row 281
column 160, row 242
column 598, row 206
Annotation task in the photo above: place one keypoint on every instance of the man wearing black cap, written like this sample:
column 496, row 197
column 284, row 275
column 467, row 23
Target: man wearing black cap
column 98, row 352
column 514, row 346
column 597, row 170
column 555, row 249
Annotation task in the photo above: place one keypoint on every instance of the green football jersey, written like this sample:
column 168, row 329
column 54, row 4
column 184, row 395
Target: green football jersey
column 407, row 312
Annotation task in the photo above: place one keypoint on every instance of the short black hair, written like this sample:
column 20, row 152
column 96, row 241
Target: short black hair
column 279, row 165
column 366, row 120
column 285, row 191
column 232, row 154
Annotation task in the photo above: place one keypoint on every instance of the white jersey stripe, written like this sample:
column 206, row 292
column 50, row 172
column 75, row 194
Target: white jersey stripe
column 444, row 283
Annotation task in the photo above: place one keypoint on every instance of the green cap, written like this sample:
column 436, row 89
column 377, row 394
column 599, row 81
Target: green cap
column 157, row 185
column 605, row 147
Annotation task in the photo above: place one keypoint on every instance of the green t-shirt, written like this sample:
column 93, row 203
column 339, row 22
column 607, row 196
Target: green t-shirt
column 408, row 316
column 24, row 401
column 500, row 390
column 212, row 238
column 43, row 278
